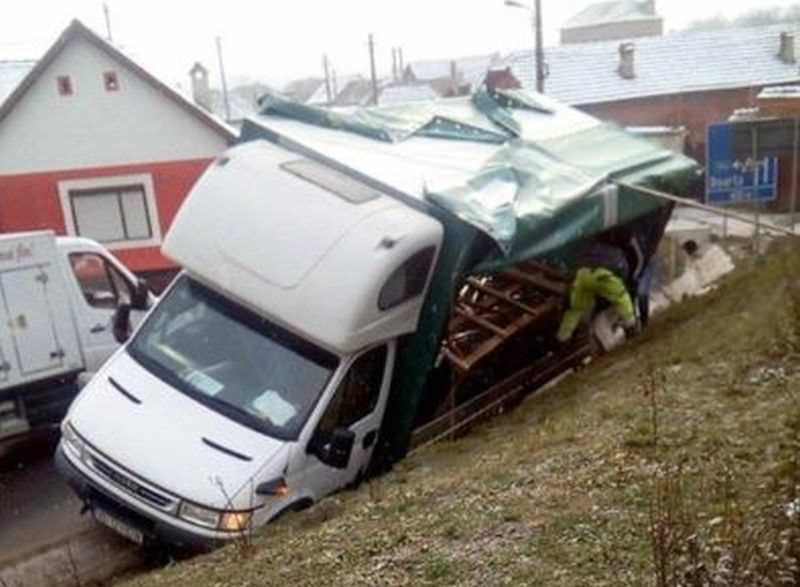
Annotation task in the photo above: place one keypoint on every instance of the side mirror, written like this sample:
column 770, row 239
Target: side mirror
column 337, row 450
column 140, row 300
column 122, row 323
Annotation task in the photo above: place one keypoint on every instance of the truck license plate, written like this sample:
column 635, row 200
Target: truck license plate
column 118, row 526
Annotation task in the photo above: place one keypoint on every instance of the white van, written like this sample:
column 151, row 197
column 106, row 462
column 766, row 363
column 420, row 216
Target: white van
column 58, row 296
column 255, row 385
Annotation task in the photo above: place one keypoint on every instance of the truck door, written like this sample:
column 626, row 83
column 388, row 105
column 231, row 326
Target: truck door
column 358, row 404
column 30, row 321
column 102, row 287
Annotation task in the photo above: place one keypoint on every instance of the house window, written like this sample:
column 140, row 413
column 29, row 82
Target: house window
column 110, row 215
column 64, row 84
column 119, row 212
column 111, row 81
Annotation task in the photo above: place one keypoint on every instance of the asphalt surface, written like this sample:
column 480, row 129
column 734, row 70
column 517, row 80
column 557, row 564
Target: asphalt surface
column 37, row 508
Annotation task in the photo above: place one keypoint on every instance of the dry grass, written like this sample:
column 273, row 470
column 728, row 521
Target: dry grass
column 562, row 491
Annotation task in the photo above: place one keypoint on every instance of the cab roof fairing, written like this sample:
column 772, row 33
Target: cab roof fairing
column 247, row 212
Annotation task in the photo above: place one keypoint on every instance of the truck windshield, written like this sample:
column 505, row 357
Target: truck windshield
column 232, row 360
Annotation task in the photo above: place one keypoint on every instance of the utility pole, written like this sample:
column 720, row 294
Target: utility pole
column 537, row 25
column 107, row 14
column 400, row 64
column 224, row 81
column 371, row 43
column 326, row 69
column 536, row 22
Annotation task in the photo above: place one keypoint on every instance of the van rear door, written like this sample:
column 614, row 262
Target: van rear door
column 31, row 321
column 38, row 339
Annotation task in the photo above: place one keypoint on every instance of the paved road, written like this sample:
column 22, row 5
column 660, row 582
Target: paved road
column 43, row 538
column 36, row 507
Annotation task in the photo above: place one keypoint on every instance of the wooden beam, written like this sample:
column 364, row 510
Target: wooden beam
column 457, row 361
column 464, row 313
column 537, row 281
column 501, row 295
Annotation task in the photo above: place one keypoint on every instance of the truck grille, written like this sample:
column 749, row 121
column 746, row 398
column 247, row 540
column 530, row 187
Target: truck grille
column 131, row 485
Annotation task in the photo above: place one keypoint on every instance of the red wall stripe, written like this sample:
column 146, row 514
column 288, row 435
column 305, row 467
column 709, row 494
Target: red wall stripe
column 31, row 201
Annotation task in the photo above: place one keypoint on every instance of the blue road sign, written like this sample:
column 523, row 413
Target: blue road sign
column 729, row 180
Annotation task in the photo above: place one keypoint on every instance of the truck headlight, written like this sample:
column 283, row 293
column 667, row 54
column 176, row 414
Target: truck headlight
column 199, row 515
column 73, row 442
column 235, row 521
column 227, row 521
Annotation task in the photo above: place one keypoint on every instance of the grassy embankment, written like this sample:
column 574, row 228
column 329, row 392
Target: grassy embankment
column 683, row 444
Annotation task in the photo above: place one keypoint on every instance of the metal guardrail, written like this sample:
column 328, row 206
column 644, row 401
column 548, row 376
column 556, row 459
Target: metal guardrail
column 757, row 222
column 499, row 397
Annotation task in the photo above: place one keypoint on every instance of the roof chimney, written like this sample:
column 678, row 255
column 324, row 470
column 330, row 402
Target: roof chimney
column 454, row 70
column 626, row 69
column 786, row 51
column 201, row 92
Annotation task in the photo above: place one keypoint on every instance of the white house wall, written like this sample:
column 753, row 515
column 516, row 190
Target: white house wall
column 94, row 127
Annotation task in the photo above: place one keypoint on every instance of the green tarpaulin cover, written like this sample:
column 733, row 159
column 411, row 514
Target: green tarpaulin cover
column 542, row 184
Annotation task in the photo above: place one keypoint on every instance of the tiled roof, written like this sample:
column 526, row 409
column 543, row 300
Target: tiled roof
column 611, row 12
column 11, row 74
column 676, row 63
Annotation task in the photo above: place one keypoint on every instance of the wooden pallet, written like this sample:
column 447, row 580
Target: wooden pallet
column 492, row 310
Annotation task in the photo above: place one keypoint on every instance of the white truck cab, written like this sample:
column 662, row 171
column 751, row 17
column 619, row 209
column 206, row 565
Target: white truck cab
column 261, row 377
column 59, row 296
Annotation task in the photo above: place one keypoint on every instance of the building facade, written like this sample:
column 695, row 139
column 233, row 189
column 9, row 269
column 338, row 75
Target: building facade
column 92, row 145
column 614, row 20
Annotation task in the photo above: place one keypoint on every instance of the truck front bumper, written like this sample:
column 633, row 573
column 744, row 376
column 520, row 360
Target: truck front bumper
column 154, row 530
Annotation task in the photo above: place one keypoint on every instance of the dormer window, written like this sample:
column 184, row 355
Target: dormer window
column 64, row 85
column 111, row 81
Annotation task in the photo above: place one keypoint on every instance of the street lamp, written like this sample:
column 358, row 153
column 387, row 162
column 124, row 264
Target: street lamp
column 536, row 21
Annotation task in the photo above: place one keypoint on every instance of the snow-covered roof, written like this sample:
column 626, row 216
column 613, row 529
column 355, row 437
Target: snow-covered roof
column 675, row 63
column 612, row 12
column 11, row 74
column 407, row 93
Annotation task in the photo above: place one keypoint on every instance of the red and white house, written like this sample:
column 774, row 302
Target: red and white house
column 91, row 144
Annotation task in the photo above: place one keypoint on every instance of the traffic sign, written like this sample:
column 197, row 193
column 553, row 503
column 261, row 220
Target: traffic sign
column 730, row 180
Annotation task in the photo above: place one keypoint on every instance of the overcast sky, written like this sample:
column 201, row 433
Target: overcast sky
column 276, row 41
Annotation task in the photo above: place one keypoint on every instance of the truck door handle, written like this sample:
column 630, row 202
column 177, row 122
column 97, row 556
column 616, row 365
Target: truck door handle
column 369, row 439
column 97, row 329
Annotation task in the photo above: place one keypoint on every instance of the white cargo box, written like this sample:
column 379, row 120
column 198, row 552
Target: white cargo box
column 38, row 337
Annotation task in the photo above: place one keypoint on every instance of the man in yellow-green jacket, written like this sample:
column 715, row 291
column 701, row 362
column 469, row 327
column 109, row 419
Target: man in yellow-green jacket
column 602, row 273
